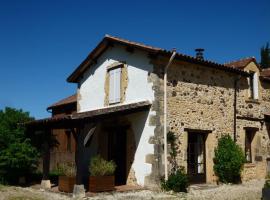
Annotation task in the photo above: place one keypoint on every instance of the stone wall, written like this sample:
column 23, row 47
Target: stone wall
column 202, row 98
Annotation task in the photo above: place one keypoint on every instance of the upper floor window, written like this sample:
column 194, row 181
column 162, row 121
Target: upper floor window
column 115, row 85
column 254, row 86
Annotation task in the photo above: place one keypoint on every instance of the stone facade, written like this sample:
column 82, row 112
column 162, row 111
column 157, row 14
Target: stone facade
column 202, row 99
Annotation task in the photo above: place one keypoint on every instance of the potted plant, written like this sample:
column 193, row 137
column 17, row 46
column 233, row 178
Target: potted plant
column 66, row 180
column 101, row 175
column 266, row 189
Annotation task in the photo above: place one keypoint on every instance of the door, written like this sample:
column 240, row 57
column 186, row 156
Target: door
column 196, row 158
column 117, row 153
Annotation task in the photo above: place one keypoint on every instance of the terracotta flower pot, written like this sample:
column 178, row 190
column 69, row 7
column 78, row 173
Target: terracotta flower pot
column 101, row 183
column 66, row 184
column 265, row 193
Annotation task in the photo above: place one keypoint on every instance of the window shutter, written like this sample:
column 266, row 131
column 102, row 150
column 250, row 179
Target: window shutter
column 117, row 82
column 255, row 86
column 111, row 86
column 114, row 88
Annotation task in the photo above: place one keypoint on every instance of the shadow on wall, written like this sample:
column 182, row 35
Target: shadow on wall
column 115, row 138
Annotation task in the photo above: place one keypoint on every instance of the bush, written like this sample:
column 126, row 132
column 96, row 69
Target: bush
column 18, row 159
column 267, row 184
column 178, row 181
column 66, row 169
column 17, row 156
column 100, row 167
column 229, row 160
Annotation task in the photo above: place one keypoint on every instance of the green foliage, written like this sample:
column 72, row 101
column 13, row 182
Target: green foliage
column 67, row 169
column 171, row 140
column 177, row 181
column 17, row 156
column 267, row 184
column 100, row 167
column 265, row 56
column 229, row 160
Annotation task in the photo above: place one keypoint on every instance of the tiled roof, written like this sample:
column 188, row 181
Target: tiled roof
column 109, row 40
column 65, row 101
column 73, row 119
column 126, row 108
column 241, row 64
column 265, row 74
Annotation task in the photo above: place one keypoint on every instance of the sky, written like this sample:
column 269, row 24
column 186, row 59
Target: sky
column 42, row 42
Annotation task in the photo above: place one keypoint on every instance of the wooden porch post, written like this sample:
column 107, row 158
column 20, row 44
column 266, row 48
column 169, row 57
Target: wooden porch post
column 46, row 154
column 78, row 155
column 78, row 190
column 45, row 183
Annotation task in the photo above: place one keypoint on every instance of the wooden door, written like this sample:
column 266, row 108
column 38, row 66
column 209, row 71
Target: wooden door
column 117, row 153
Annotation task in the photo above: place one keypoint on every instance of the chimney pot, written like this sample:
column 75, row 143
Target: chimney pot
column 199, row 53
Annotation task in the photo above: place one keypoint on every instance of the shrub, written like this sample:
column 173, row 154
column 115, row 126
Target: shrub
column 66, row 169
column 267, row 184
column 177, row 181
column 17, row 155
column 229, row 160
column 18, row 159
column 100, row 167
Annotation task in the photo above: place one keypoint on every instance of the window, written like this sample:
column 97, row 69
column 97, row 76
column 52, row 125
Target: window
column 248, row 145
column 253, row 86
column 114, row 87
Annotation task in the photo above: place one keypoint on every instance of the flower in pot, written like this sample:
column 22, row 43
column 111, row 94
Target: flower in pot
column 101, row 174
column 266, row 190
column 66, row 180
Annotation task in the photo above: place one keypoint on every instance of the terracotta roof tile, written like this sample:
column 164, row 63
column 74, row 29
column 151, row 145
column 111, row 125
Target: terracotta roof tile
column 108, row 40
column 240, row 64
column 265, row 72
column 65, row 101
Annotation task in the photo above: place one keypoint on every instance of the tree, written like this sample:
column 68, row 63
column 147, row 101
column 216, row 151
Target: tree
column 229, row 160
column 17, row 156
column 265, row 56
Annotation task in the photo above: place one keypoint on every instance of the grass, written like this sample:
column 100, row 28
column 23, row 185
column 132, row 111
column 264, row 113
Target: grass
column 2, row 187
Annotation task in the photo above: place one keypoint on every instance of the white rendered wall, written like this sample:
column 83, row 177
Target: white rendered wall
column 92, row 91
column 142, row 132
column 92, row 96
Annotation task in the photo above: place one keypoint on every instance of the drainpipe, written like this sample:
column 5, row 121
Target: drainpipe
column 235, row 107
column 165, row 113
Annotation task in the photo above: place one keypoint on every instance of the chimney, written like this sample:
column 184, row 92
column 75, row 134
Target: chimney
column 199, row 53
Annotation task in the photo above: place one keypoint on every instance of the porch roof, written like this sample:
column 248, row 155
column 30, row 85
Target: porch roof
column 73, row 120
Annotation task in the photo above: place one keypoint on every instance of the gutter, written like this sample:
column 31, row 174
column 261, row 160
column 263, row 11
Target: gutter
column 235, row 106
column 165, row 114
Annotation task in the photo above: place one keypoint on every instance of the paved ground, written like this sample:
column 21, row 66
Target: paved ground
column 247, row 191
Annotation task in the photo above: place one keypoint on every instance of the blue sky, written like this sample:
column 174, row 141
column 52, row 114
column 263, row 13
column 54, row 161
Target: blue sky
column 42, row 42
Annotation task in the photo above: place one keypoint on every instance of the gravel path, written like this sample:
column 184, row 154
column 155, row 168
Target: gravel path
column 251, row 190
column 246, row 191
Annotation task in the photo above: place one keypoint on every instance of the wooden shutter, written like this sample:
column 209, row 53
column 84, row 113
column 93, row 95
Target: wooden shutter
column 111, row 86
column 255, row 86
column 117, row 79
column 114, row 88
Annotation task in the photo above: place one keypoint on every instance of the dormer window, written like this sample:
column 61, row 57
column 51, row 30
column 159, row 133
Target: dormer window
column 254, row 86
column 115, row 85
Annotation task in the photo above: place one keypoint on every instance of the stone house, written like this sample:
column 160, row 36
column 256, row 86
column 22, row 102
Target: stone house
column 120, row 112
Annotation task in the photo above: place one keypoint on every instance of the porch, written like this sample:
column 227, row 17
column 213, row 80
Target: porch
column 109, row 132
